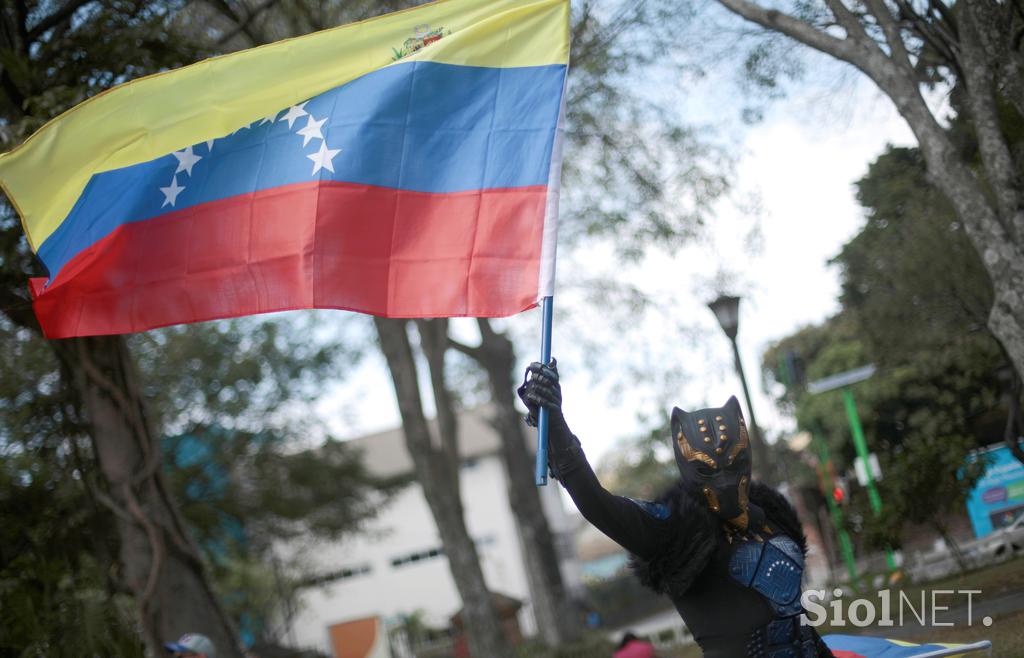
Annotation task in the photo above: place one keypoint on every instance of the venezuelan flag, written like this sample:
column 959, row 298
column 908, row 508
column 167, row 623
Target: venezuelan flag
column 404, row 166
column 857, row 646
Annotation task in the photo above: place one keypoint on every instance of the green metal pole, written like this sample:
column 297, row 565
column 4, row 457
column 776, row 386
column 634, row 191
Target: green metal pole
column 845, row 545
column 862, row 454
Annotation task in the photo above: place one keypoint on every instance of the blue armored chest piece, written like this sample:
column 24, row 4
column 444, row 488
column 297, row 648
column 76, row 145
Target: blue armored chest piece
column 773, row 568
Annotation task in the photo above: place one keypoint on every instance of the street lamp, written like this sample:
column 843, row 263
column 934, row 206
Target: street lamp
column 727, row 309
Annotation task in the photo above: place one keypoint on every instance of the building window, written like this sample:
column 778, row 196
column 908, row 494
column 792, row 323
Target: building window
column 418, row 556
column 334, row 576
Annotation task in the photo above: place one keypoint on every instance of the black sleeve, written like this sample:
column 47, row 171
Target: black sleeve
column 637, row 530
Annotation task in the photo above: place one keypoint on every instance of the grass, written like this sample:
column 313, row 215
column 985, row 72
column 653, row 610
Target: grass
column 993, row 581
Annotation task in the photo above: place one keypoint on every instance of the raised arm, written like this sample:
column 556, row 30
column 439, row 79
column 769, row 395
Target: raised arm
column 637, row 526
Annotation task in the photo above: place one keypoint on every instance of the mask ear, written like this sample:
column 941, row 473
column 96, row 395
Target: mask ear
column 733, row 405
column 677, row 421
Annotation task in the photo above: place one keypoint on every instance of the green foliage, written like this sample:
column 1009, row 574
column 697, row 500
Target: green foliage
column 914, row 302
column 55, row 551
column 59, row 545
column 253, row 480
column 60, row 60
column 912, row 265
column 244, row 373
column 911, row 490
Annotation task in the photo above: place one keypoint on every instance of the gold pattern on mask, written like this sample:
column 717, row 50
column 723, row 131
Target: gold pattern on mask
column 743, row 519
column 740, row 521
column 691, row 455
column 712, row 499
column 732, row 532
column 741, row 445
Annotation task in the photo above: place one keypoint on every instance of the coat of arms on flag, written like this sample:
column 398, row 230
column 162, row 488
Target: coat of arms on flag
column 325, row 171
column 423, row 36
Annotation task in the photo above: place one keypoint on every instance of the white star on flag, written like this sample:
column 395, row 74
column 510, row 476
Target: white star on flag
column 270, row 118
column 186, row 160
column 312, row 129
column 323, row 158
column 171, row 193
column 293, row 113
column 209, row 144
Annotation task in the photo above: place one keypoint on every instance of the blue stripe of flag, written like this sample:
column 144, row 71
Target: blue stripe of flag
column 419, row 126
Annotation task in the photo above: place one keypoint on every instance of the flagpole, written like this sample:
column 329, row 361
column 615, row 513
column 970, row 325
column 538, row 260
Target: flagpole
column 541, row 470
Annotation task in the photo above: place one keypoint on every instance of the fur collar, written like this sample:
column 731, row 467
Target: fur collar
column 694, row 534
column 779, row 512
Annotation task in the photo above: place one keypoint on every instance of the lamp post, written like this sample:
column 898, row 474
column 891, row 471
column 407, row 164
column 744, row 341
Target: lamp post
column 727, row 310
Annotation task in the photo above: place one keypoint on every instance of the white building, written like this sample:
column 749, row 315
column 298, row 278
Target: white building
column 397, row 567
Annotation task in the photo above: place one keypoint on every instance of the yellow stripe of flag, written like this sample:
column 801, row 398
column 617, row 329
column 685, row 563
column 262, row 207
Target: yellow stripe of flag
column 155, row 115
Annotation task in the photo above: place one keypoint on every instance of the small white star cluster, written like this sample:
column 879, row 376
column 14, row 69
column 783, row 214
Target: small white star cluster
column 322, row 159
column 779, row 563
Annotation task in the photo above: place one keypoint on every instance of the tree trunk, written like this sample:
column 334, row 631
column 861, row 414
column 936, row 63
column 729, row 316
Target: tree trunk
column 161, row 565
column 556, row 616
column 439, row 479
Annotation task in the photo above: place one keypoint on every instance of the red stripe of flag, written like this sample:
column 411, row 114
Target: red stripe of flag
column 326, row 244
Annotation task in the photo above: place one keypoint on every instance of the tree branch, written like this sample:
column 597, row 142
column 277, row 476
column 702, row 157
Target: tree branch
column 56, row 18
column 243, row 26
column 21, row 9
column 849, row 22
column 897, row 49
column 434, row 342
column 229, row 13
column 156, row 545
column 805, row 33
column 474, row 353
column 943, row 41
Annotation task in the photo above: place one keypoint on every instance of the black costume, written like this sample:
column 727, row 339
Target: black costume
column 728, row 553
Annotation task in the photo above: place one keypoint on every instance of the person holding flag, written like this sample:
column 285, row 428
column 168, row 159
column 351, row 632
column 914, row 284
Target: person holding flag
column 729, row 552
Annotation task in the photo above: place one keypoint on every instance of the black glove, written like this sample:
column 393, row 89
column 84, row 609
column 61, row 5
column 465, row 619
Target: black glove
column 541, row 389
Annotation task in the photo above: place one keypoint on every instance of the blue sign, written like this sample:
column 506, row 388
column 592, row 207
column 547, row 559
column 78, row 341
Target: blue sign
column 998, row 497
